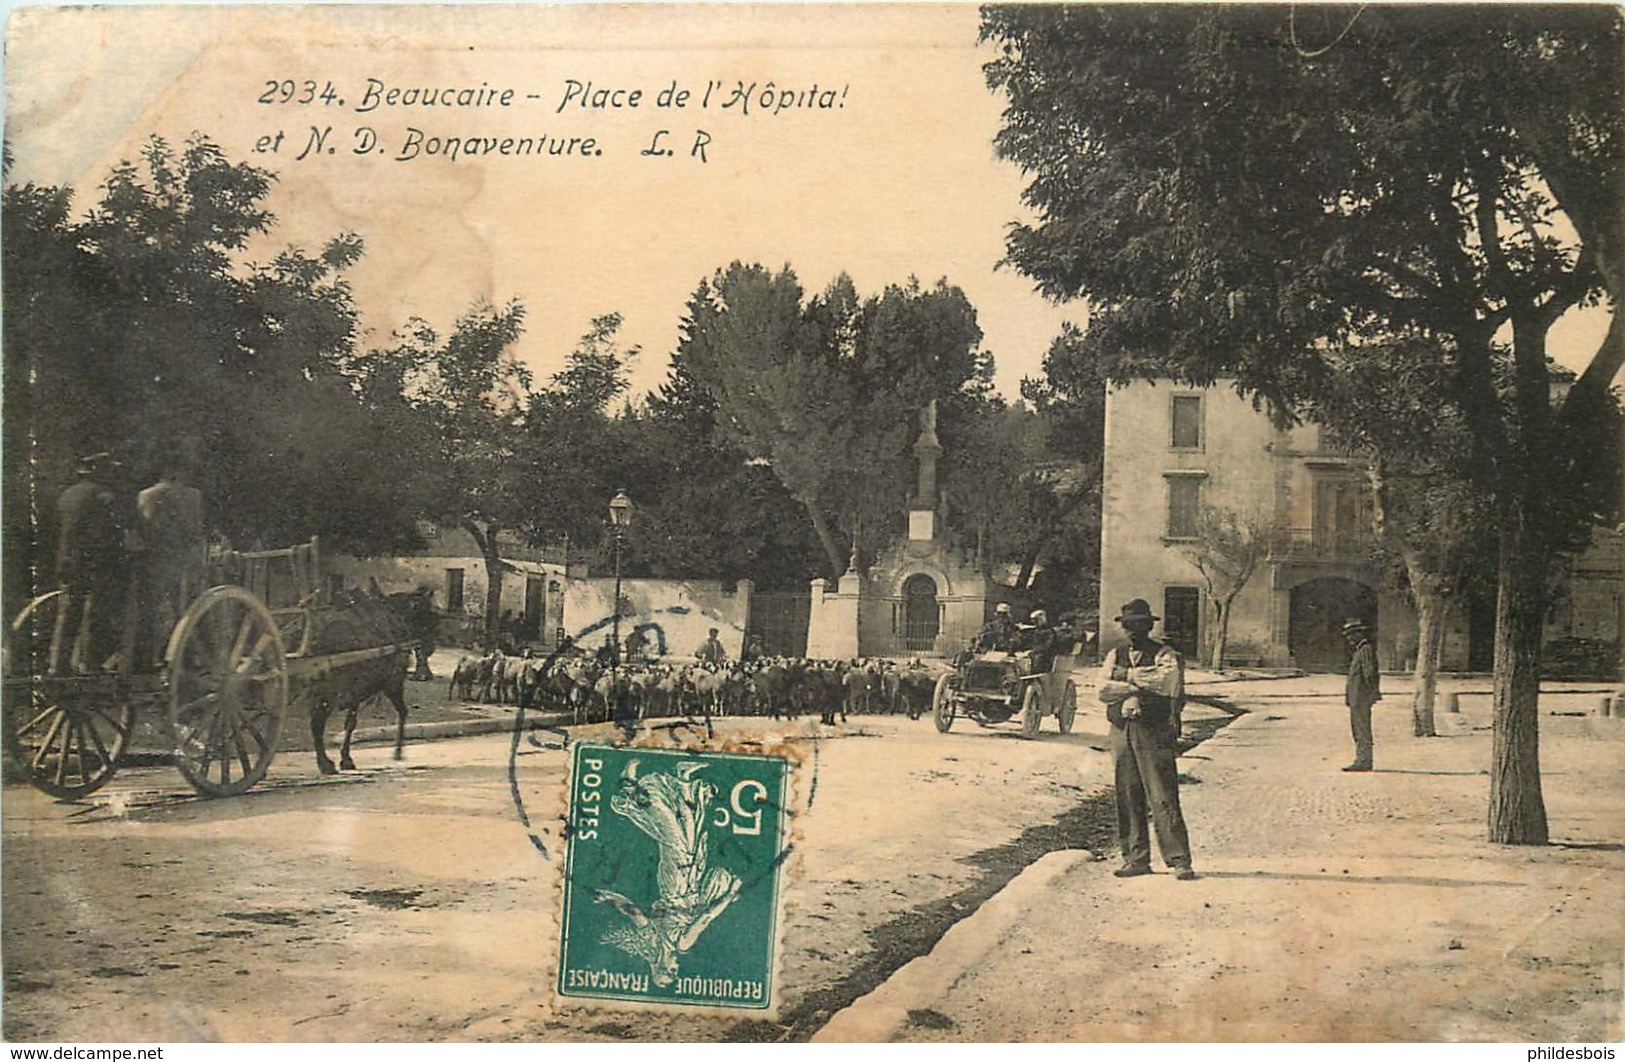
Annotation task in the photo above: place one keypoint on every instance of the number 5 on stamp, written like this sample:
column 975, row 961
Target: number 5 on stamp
column 671, row 886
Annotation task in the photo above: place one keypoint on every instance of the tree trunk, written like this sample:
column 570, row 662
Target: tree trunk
column 486, row 538
column 1028, row 563
column 1430, row 613
column 1517, row 810
column 1222, row 635
column 826, row 538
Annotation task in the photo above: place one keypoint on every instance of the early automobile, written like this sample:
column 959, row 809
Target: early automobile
column 995, row 687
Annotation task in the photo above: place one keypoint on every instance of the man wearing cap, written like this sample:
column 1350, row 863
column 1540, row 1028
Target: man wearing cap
column 1039, row 638
column 1363, row 690
column 88, row 558
column 1143, row 686
column 998, row 632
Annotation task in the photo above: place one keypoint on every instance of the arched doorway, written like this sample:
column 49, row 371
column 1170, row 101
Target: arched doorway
column 921, row 617
column 1315, row 624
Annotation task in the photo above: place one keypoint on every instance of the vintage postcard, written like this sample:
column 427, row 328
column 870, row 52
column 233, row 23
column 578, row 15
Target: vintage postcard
column 812, row 522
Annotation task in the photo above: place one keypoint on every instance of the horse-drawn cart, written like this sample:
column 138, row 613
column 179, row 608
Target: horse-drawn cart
column 224, row 679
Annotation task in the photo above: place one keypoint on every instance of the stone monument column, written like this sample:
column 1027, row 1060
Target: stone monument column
column 922, row 511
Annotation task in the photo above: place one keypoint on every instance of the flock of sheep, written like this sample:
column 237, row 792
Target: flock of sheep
column 771, row 686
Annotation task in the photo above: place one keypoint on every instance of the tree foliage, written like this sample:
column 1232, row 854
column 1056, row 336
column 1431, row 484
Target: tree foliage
column 1235, row 204
column 1227, row 550
column 827, row 390
column 143, row 328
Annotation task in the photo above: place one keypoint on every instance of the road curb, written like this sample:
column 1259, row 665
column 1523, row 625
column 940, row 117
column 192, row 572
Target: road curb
column 453, row 728
column 927, row 979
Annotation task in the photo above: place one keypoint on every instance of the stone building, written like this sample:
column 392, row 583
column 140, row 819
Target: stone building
column 450, row 565
column 1169, row 450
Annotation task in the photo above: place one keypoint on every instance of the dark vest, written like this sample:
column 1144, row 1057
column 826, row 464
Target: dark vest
column 1155, row 709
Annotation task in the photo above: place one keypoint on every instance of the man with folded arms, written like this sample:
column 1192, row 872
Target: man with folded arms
column 1143, row 686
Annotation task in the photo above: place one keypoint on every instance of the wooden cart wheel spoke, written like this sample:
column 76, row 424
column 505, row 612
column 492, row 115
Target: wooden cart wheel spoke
column 226, row 658
column 242, row 750
column 84, row 753
column 206, row 747
column 44, row 714
column 41, row 754
column 225, row 755
column 70, row 738
column 220, row 637
column 68, row 733
column 101, row 747
column 239, row 645
column 259, row 738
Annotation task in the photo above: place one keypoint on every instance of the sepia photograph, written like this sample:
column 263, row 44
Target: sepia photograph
column 673, row 523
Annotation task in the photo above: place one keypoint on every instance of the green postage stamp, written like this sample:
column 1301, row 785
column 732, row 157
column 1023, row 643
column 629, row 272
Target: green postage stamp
column 672, row 881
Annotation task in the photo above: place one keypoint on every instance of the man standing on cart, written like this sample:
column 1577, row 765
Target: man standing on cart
column 171, row 514
column 89, row 558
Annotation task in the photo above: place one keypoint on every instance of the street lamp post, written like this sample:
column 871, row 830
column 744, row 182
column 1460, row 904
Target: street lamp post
column 620, row 517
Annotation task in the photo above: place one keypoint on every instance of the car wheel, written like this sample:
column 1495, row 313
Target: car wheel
column 1032, row 710
column 1067, row 710
column 942, row 704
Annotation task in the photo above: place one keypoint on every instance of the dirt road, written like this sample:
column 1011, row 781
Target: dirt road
column 407, row 903
column 1330, row 907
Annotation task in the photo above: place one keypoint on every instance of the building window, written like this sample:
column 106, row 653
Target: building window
column 454, row 589
column 1187, row 422
column 1342, row 518
column 1184, row 505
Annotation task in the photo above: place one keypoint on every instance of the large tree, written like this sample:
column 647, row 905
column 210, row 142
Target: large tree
column 143, row 327
column 1237, row 198
column 827, row 390
column 704, row 506
column 466, row 396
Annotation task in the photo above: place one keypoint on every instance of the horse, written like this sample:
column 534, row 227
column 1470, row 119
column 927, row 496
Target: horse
column 355, row 621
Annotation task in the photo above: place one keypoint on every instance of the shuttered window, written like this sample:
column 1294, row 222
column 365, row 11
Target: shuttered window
column 1187, row 422
column 1184, row 502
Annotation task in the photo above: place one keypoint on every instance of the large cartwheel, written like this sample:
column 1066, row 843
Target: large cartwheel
column 228, row 690
column 226, row 687
column 225, row 682
column 66, row 732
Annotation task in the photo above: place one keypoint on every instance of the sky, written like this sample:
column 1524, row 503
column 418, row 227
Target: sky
column 874, row 155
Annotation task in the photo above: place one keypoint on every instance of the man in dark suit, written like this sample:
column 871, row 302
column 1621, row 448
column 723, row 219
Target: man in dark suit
column 1363, row 690
column 89, row 561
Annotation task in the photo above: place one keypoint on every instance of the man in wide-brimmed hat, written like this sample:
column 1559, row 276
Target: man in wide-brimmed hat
column 1143, row 685
column 1363, row 690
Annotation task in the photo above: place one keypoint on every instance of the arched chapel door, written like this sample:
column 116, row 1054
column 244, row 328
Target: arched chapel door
column 922, row 618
